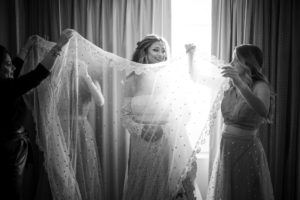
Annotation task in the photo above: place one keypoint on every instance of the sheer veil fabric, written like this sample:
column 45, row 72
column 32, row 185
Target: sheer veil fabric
column 60, row 106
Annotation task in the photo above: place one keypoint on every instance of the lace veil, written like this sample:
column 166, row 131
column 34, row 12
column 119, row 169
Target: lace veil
column 57, row 109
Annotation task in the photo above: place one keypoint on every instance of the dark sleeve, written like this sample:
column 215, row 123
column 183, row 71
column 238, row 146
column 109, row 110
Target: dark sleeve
column 19, row 86
column 18, row 63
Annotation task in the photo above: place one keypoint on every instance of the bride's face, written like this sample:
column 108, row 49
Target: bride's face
column 156, row 52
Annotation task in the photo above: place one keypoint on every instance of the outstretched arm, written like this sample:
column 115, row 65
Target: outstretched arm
column 18, row 61
column 95, row 89
column 98, row 96
column 195, row 75
column 190, row 50
column 29, row 43
column 49, row 60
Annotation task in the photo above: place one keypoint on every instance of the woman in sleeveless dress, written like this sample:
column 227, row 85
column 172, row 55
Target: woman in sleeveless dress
column 240, row 170
column 88, row 168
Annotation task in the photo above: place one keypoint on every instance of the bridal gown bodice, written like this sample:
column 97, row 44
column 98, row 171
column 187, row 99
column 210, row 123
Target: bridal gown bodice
column 236, row 111
column 150, row 108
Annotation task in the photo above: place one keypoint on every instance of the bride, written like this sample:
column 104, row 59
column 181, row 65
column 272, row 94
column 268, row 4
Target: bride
column 149, row 116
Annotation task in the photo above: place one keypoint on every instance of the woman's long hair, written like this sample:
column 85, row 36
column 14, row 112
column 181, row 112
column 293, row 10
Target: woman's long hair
column 252, row 57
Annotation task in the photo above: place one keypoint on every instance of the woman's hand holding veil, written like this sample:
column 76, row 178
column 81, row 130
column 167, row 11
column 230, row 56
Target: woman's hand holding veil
column 151, row 133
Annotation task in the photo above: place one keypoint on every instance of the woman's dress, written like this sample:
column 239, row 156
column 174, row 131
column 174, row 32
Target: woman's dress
column 240, row 169
column 150, row 156
column 88, row 168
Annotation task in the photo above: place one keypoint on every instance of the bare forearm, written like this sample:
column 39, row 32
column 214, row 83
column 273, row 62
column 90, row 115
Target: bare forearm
column 253, row 100
column 191, row 63
column 96, row 92
column 196, row 76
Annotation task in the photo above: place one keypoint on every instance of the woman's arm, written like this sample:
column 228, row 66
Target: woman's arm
column 127, row 118
column 49, row 60
column 19, row 86
column 24, row 50
column 95, row 90
column 19, row 59
column 190, row 50
column 94, row 87
column 194, row 73
column 258, row 98
column 24, row 83
column 18, row 63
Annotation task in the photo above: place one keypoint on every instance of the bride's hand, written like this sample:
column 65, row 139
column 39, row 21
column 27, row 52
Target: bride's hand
column 152, row 133
column 29, row 43
column 190, row 48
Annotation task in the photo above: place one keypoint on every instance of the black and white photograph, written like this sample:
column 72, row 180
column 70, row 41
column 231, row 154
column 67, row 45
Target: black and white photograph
column 150, row 100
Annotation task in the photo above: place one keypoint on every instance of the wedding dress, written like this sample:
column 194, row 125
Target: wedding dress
column 162, row 157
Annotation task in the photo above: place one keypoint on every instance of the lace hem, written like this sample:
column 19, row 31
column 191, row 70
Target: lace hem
column 187, row 189
column 204, row 133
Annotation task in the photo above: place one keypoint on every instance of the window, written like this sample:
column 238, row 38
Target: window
column 191, row 23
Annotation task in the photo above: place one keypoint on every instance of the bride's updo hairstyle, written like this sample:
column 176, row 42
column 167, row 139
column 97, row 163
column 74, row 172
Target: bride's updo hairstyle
column 140, row 54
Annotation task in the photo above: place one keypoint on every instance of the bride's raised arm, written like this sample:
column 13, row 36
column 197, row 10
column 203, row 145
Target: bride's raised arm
column 195, row 74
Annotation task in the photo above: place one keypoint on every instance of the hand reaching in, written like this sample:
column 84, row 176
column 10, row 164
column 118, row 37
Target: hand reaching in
column 29, row 43
column 190, row 48
column 94, row 86
column 65, row 37
column 48, row 61
column 233, row 74
column 152, row 133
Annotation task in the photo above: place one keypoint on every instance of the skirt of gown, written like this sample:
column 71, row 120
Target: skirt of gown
column 148, row 172
column 240, row 170
column 148, row 168
column 88, row 168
